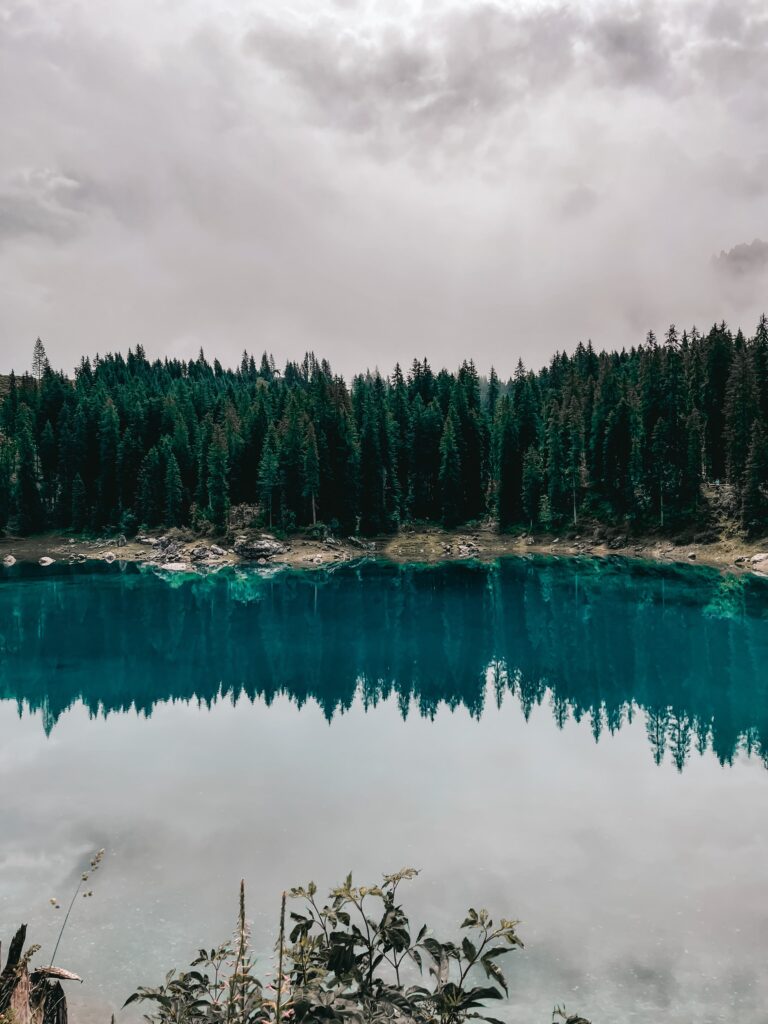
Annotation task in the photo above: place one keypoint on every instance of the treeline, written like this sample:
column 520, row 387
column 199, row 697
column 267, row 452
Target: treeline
column 631, row 436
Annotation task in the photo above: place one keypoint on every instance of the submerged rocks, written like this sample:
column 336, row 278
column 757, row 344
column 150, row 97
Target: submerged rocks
column 251, row 549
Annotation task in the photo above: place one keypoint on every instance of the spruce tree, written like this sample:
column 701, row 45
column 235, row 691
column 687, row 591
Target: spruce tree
column 28, row 504
column 557, row 483
column 450, row 476
column 108, row 482
column 269, row 473
column 741, row 409
column 150, row 489
column 535, row 501
column 311, row 470
column 39, row 361
column 174, row 491
column 508, row 463
column 218, row 479
column 6, row 476
column 79, row 512
column 754, row 500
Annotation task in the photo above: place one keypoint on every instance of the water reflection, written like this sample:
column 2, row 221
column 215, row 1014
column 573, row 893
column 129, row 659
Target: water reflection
column 599, row 640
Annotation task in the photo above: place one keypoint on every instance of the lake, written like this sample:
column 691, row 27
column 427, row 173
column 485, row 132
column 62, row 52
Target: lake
column 580, row 744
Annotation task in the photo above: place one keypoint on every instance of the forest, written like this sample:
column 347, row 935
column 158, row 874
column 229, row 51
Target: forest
column 644, row 437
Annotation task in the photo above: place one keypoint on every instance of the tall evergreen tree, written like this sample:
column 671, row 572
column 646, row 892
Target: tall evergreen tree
column 450, row 475
column 6, row 478
column 754, row 501
column 269, row 473
column 311, row 470
column 79, row 512
column 218, row 478
column 174, row 491
column 39, row 361
column 28, row 503
column 109, row 445
column 741, row 409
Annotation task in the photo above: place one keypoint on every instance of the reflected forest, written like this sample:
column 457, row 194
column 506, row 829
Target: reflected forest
column 570, row 634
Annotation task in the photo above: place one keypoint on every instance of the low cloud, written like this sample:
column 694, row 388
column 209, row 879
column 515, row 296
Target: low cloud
column 744, row 258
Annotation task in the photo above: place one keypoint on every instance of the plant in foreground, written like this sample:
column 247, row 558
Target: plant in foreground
column 93, row 866
column 352, row 959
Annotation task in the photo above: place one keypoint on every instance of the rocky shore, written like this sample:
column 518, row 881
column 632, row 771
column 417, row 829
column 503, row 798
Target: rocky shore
column 182, row 551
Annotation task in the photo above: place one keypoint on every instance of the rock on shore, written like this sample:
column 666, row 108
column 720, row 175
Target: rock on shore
column 254, row 548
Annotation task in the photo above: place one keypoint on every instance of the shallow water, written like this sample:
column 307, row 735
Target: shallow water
column 576, row 743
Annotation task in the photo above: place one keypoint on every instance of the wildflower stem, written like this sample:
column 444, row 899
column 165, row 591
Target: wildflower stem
column 280, row 961
column 64, row 922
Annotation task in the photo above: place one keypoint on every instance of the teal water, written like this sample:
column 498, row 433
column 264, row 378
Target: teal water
column 581, row 744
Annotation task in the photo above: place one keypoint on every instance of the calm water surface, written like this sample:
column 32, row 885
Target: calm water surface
column 579, row 744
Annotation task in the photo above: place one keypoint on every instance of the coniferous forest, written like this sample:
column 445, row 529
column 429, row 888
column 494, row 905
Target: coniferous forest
column 644, row 437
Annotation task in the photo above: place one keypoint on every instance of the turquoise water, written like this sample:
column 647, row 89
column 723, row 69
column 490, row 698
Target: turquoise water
column 576, row 743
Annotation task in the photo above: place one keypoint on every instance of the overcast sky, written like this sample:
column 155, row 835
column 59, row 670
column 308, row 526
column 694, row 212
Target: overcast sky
column 378, row 180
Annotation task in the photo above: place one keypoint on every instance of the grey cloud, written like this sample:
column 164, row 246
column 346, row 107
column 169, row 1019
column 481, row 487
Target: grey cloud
column 460, row 69
column 631, row 47
column 744, row 258
column 374, row 179
column 579, row 201
column 452, row 71
column 43, row 202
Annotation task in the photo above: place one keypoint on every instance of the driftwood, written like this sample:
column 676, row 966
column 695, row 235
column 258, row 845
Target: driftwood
column 31, row 997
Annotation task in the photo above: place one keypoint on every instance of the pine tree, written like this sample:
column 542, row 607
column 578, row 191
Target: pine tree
column 6, row 476
column 174, row 491
column 663, row 471
column 535, row 501
column 218, row 478
column 759, row 353
column 150, row 489
column 557, row 484
column 373, row 515
column 311, row 470
column 29, row 507
column 754, row 500
column 269, row 472
column 741, row 409
column 49, row 458
column 575, row 464
column 39, row 361
column 292, row 464
column 450, row 476
column 492, row 395
column 424, row 459
column 79, row 513
column 508, row 465
column 109, row 444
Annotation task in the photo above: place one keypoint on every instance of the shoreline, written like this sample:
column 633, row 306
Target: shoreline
column 180, row 551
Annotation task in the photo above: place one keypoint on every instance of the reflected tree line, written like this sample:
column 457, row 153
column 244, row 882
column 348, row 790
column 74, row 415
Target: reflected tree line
column 595, row 640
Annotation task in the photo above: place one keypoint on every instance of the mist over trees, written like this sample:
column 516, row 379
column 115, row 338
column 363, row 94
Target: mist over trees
column 639, row 437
